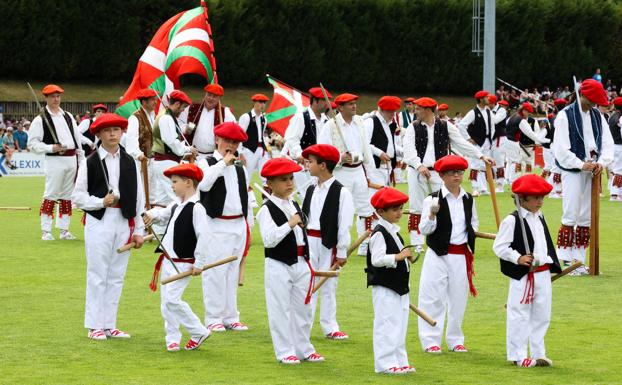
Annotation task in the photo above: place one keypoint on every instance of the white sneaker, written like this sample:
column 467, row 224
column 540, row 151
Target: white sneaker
column 47, row 236
column 97, row 334
column 290, row 360
column 116, row 333
column 218, row 328
column 66, row 235
column 395, row 370
column 544, row 362
column 237, row 326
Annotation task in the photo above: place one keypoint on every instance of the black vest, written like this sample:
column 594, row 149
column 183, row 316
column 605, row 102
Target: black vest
column 214, row 199
column 512, row 128
column 96, row 183
column 524, row 139
column 439, row 239
column 518, row 271
column 615, row 129
column 251, row 131
column 380, row 140
column 184, row 236
column 48, row 129
column 329, row 218
column 441, row 139
column 309, row 135
column 395, row 279
column 499, row 127
column 87, row 134
column 477, row 129
column 287, row 250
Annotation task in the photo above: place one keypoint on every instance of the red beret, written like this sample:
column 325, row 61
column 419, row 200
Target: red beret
column 492, row 99
column 531, row 184
column 322, row 151
column 560, row 102
column 594, row 92
column 527, row 107
column 388, row 197
column 550, row 116
column 259, row 98
column 107, row 120
column 316, row 92
column 345, row 98
column 481, row 94
column 52, row 89
column 231, row 131
column 426, row 102
column 146, row 93
column 504, row 103
column 409, row 100
column 215, row 89
column 189, row 170
column 451, row 162
column 443, row 107
column 100, row 107
column 279, row 166
column 333, row 105
column 389, row 103
column 179, row 96
column 617, row 101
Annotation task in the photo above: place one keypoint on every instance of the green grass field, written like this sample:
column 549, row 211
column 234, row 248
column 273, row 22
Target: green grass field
column 42, row 288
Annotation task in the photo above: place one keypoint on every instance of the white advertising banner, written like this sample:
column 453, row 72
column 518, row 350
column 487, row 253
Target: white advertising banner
column 27, row 163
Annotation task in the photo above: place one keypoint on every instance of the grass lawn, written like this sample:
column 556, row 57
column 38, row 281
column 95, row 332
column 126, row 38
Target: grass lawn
column 42, row 287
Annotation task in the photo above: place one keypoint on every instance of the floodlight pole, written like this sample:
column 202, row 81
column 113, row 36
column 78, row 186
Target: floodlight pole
column 489, row 46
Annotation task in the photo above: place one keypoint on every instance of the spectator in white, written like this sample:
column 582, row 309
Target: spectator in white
column 254, row 123
column 21, row 138
column 597, row 76
column 89, row 142
column 8, row 147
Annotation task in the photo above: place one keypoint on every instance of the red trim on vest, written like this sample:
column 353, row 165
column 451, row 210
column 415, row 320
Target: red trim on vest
column 582, row 236
column 47, row 207
column 565, row 237
column 464, row 250
column 473, row 175
column 413, row 222
column 530, row 286
column 64, row 207
column 557, row 177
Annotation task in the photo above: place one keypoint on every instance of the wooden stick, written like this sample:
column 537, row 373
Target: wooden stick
column 16, row 208
column 483, row 235
column 567, row 270
column 145, row 172
column 594, row 228
column 323, row 280
column 422, row 314
column 241, row 276
column 205, row 267
column 327, row 274
column 493, row 193
column 132, row 244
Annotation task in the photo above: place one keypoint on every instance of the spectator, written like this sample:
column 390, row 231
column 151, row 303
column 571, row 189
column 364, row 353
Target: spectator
column 565, row 93
column 21, row 138
column 8, row 147
column 597, row 76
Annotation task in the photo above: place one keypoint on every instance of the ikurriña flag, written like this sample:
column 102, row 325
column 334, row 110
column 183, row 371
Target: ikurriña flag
column 286, row 101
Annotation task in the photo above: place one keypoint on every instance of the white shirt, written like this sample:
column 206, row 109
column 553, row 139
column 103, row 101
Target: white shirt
column 354, row 135
column 456, row 212
column 245, row 121
column 199, row 223
column 505, row 236
column 378, row 247
column 84, row 127
column 457, row 142
column 470, row 118
column 369, row 128
column 561, row 141
column 536, row 134
column 271, row 234
column 499, row 114
column 63, row 134
column 169, row 133
column 203, row 139
column 296, row 128
column 133, row 132
column 346, row 213
column 83, row 200
column 233, row 202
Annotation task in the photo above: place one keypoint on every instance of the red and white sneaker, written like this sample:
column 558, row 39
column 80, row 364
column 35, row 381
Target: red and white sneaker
column 526, row 363
column 459, row 349
column 433, row 349
column 394, row 370
column 216, row 327
column 173, row 347
column 236, row 327
column 194, row 343
column 337, row 336
column 544, row 362
column 315, row 357
column 97, row 334
column 408, row 369
column 116, row 333
column 291, row 360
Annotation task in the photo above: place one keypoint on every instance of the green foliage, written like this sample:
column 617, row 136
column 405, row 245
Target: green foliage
column 370, row 45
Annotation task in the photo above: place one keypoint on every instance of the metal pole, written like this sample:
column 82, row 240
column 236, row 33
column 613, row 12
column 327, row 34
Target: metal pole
column 489, row 46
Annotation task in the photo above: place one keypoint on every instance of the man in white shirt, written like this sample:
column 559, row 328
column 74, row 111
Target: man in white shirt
column 497, row 151
column 254, row 123
column 381, row 128
column 54, row 133
column 89, row 142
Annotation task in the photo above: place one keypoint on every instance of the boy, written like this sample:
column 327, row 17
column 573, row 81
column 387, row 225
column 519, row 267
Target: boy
column 109, row 190
column 287, row 268
column 185, row 241
column 529, row 297
column 329, row 209
column 388, row 272
column 224, row 194
column 449, row 220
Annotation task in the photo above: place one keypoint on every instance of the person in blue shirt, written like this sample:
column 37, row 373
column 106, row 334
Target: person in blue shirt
column 21, row 138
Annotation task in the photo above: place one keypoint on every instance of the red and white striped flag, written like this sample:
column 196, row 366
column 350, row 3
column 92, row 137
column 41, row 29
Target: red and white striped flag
column 286, row 101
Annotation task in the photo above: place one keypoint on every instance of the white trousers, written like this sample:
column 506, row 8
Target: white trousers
column 616, row 168
column 390, row 327
column 443, row 289
column 163, row 194
column 220, row 284
column 480, row 184
column 321, row 258
column 105, row 268
column 518, row 156
column 576, row 209
column 176, row 311
column 255, row 160
column 418, row 189
column 497, row 153
column 527, row 323
column 355, row 181
column 289, row 318
column 380, row 175
column 60, row 175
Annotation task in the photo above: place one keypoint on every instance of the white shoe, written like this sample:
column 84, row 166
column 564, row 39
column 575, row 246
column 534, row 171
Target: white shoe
column 66, row 235
column 395, row 370
column 544, row 362
column 525, row 363
column 237, row 326
column 97, row 334
column 216, row 327
column 47, row 236
column 116, row 333
column 291, row 360
column 315, row 357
